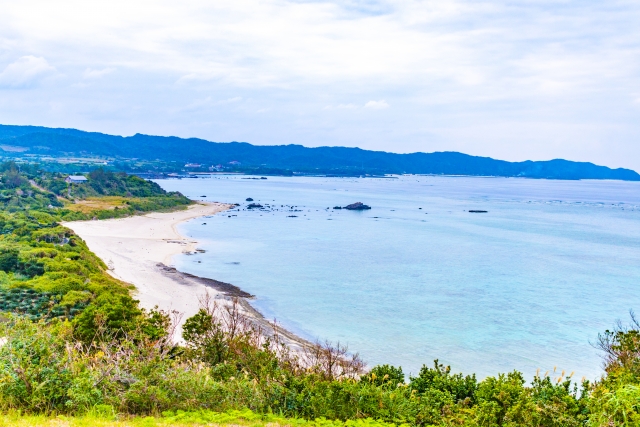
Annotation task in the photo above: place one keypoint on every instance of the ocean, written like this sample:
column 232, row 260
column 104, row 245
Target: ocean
column 527, row 285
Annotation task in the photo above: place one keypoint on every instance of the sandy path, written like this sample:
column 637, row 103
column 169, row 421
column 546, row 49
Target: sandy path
column 133, row 247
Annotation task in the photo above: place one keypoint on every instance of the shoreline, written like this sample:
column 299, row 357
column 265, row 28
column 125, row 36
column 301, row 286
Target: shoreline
column 138, row 250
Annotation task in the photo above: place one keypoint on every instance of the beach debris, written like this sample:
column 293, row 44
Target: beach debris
column 254, row 206
column 477, row 211
column 358, row 206
column 249, row 199
column 180, row 242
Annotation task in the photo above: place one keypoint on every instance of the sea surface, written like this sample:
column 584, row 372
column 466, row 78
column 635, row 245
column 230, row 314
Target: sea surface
column 527, row 285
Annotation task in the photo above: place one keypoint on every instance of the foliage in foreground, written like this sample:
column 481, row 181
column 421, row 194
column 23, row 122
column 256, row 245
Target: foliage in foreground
column 228, row 363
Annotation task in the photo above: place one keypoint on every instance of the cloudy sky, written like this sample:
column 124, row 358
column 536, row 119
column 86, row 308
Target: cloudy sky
column 516, row 80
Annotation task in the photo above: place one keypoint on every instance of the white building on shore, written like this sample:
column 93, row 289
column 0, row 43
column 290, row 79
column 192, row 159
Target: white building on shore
column 75, row 179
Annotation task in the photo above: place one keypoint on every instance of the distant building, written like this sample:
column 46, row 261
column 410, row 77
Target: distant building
column 234, row 162
column 216, row 168
column 75, row 179
column 192, row 165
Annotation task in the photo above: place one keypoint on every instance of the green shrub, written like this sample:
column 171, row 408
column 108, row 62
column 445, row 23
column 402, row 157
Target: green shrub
column 109, row 316
column 384, row 376
column 440, row 378
column 34, row 367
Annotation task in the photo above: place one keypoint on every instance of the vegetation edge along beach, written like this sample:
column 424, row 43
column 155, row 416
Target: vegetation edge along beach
column 78, row 348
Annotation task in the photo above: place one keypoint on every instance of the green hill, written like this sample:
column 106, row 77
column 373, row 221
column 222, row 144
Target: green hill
column 33, row 140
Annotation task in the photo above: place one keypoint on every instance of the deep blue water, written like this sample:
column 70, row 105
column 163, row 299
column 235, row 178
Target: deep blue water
column 527, row 285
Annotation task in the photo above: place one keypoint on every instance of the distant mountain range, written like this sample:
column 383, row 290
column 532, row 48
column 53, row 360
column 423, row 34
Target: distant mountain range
column 18, row 141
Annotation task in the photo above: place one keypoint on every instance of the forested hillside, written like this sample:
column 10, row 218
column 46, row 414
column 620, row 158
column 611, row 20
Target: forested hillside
column 46, row 271
column 32, row 140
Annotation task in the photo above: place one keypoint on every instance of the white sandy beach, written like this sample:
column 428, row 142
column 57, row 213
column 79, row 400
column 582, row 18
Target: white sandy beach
column 138, row 250
column 133, row 247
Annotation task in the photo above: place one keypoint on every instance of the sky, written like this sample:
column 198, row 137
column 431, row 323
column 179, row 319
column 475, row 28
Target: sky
column 514, row 80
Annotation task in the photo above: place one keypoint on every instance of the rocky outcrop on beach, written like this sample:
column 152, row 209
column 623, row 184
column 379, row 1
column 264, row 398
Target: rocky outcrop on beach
column 254, row 206
column 189, row 279
column 358, row 206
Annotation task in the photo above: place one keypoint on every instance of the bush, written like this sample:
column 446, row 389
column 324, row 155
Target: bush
column 34, row 366
column 108, row 316
column 439, row 378
column 384, row 376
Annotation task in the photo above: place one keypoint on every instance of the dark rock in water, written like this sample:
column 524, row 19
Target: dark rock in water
column 263, row 177
column 292, row 216
column 203, row 196
column 337, row 207
column 249, row 199
column 254, row 205
column 477, row 211
column 358, row 206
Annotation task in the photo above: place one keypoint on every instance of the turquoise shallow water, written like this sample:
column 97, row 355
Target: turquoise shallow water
column 527, row 285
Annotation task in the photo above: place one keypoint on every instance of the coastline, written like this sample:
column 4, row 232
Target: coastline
column 138, row 250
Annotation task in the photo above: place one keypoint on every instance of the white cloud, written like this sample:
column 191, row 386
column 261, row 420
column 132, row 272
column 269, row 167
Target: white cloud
column 25, row 72
column 448, row 67
column 90, row 73
column 377, row 105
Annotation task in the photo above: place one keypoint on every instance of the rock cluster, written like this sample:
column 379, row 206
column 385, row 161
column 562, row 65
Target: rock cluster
column 358, row 206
